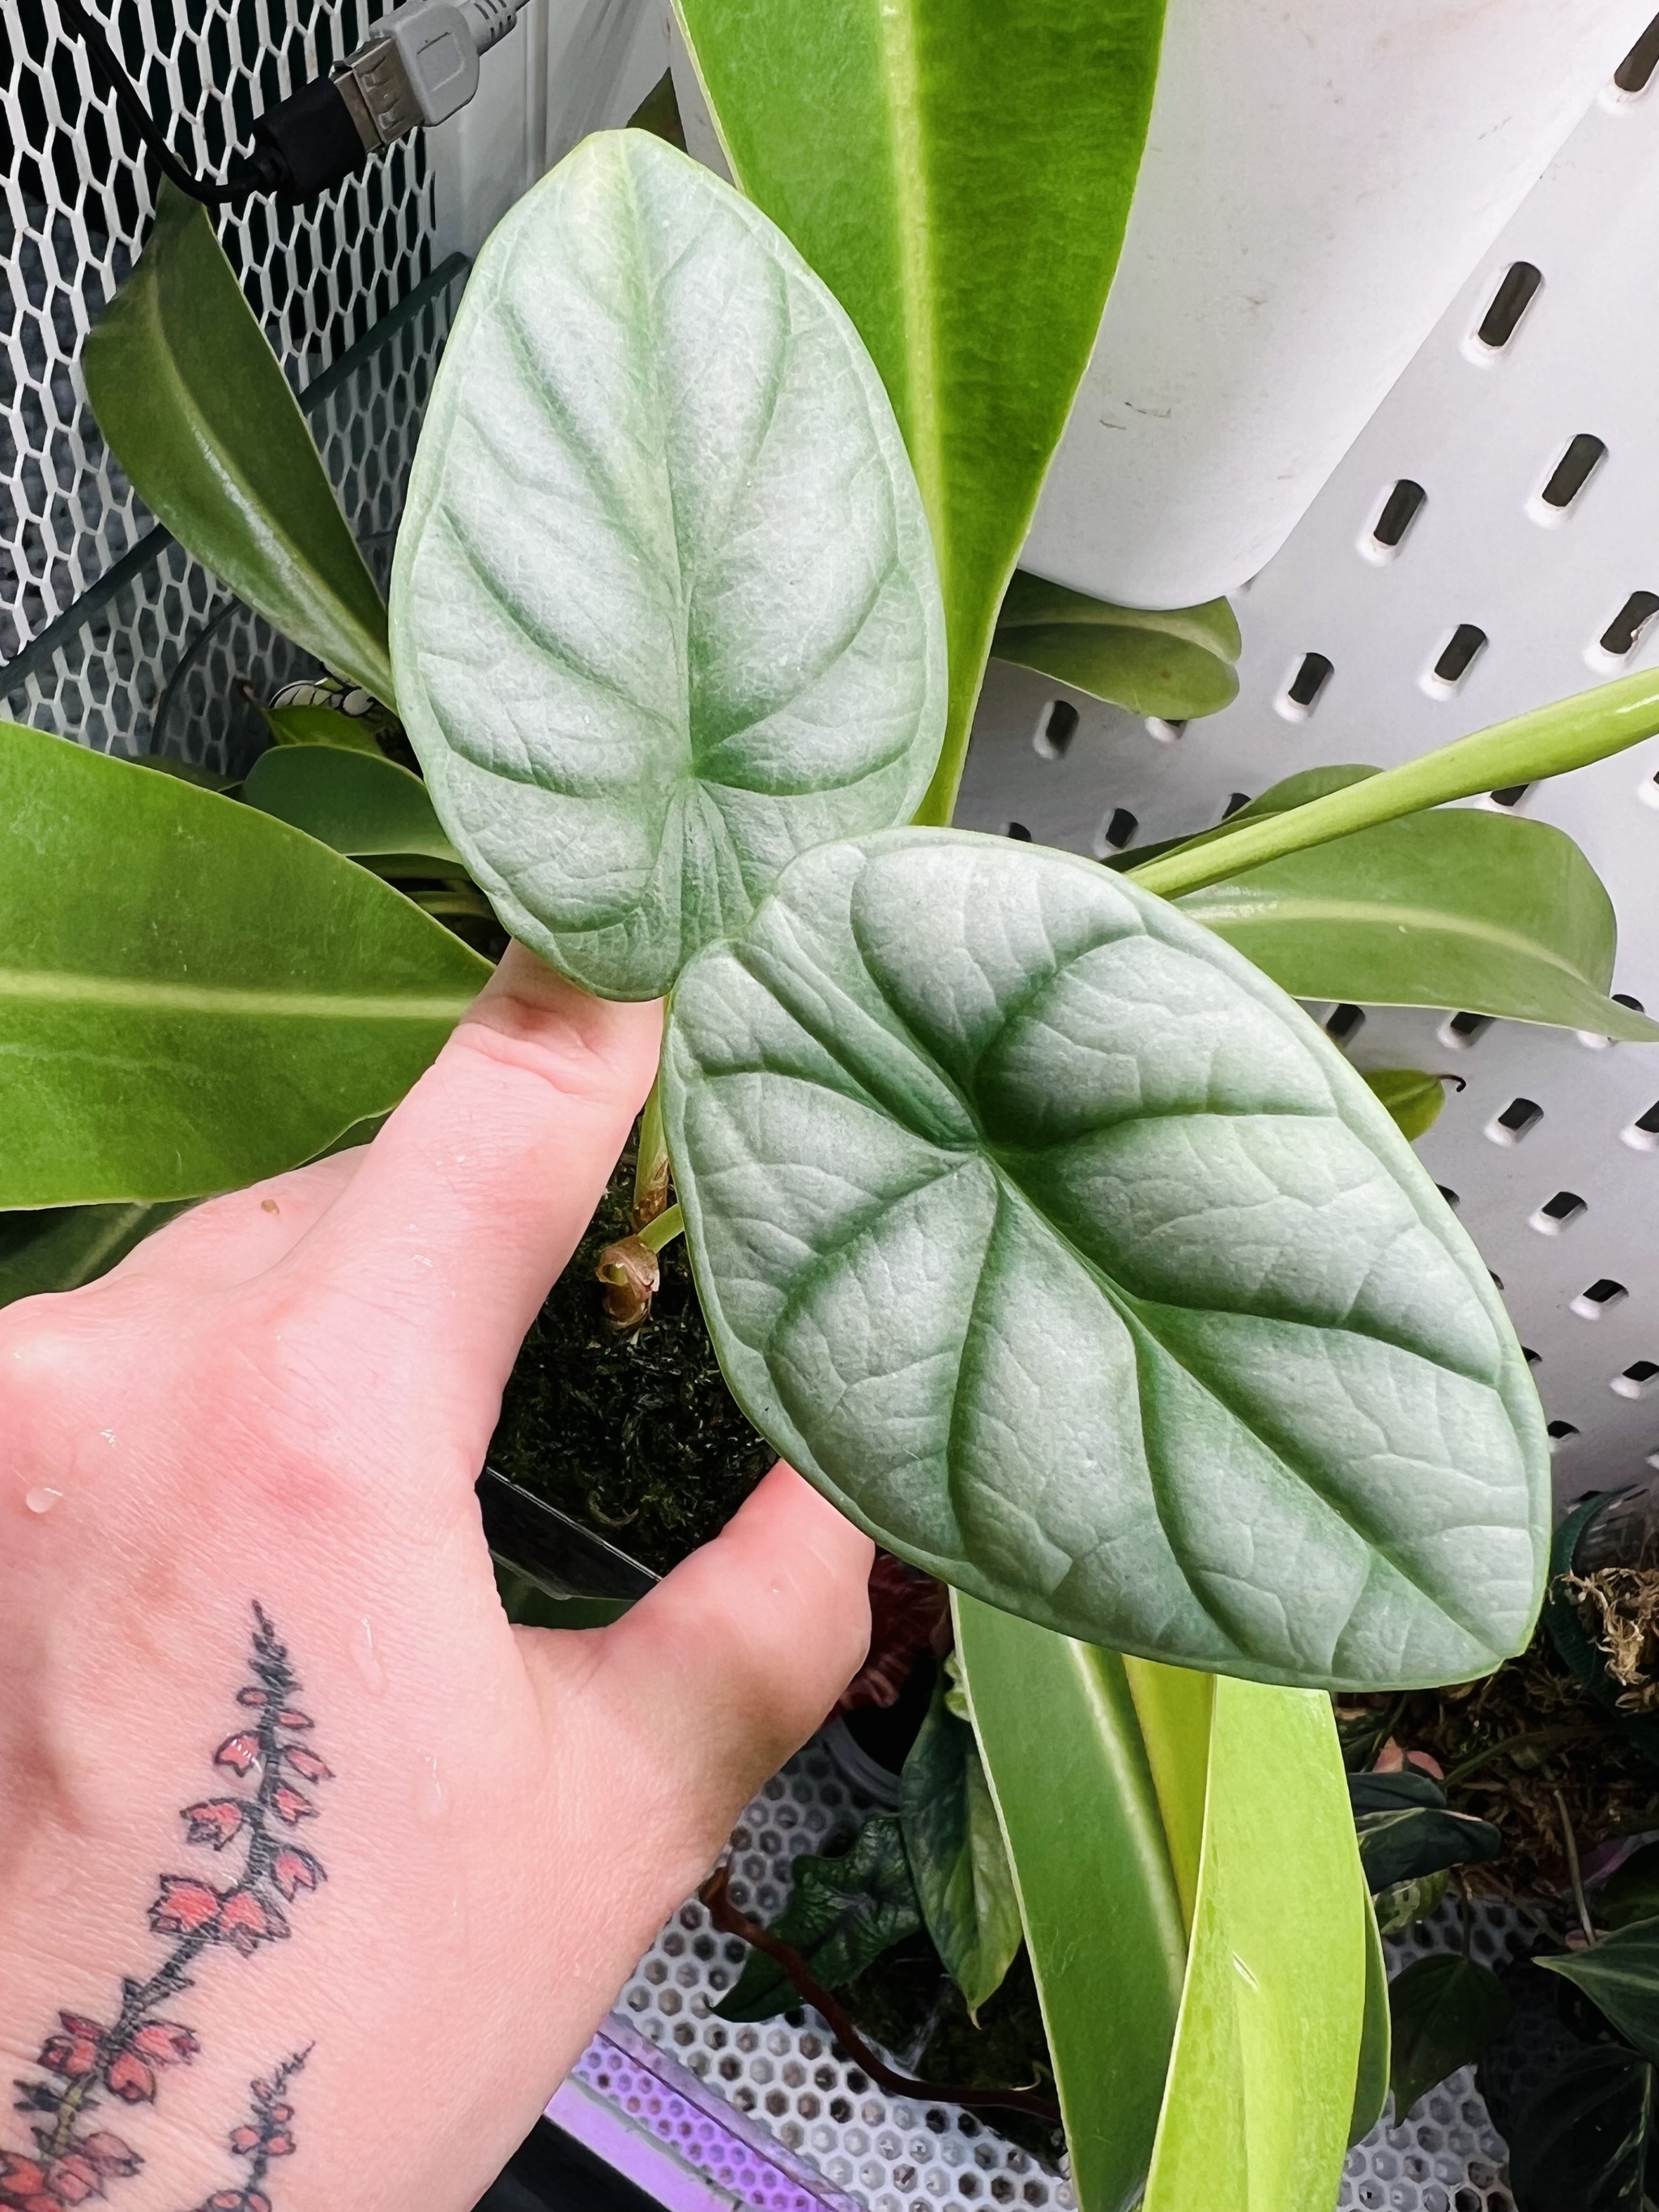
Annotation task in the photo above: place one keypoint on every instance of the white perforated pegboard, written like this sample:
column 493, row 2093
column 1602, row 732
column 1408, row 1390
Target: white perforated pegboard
column 1482, row 430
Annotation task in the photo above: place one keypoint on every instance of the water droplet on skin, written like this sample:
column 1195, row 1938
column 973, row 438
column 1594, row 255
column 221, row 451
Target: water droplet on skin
column 41, row 1500
column 431, row 1802
column 452, row 1930
column 367, row 1659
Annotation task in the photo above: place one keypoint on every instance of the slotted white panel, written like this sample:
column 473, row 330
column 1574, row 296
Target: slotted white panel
column 1481, row 430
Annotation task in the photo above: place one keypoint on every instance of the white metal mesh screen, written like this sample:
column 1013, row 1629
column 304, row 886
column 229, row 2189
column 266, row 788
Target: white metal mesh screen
column 888, row 2153
column 1533, row 588
column 892, row 2154
column 156, row 665
column 74, row 203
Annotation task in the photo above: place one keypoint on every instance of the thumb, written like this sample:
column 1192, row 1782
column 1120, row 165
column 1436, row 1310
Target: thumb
column 724, row 1669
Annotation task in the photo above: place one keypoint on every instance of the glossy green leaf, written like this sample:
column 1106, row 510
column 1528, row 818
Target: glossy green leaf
column 1446, row 2009
column 665, row 609
column 204, row 779
column 61, row 1247
column 192, row 404
column 1370, row 2090
column 960, row 1866
column 1620, row 1976
column 357, row 803
column 1066, row 1256
column 192, row 995
column 1413, row 1099
column 1175, row 1707
column 1406, row 1830
column 961, row 178
column 1582, row 2142
column 1631, row 1892
column 843, row 1912
column 1551, row 740
column 1177, row 664
column 1482, row 913
column 1068, row 1763
column 1403, row 1903
column 1262, row 2079
column 322, row 726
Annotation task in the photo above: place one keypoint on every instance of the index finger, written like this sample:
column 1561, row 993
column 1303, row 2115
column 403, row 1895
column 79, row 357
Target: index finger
column 470, row 1201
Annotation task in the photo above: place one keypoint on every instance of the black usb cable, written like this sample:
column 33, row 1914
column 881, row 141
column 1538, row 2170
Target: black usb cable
column 418, row 65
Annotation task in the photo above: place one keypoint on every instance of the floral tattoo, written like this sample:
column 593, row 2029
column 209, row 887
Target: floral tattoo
column 73, row 2157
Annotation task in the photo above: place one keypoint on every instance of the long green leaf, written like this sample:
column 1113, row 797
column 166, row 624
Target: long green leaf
column 1414, row 1100
column 61, row 1247
column 1483, row 913
column 1549, row 741
column 665, row 609
column 191, row 399
column 954, row 1843
column 1060, row 1249
column 960, row 177
column 1068, row 1763
column 1370, row 2088
column 1177, row 664
column 192, row 995
column 357, row 802
column 1261, row 2086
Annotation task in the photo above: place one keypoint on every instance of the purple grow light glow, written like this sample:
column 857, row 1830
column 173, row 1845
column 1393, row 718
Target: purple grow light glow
column 684, row 2145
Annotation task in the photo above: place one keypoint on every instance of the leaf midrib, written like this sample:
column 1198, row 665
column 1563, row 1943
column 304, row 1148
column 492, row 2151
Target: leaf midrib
column 123, row 993
column 901, row 82
column 220, row 458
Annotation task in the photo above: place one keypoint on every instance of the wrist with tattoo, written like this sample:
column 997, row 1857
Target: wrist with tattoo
column 85, row 2062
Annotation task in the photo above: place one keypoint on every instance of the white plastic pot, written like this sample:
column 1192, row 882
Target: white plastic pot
column 1320, row 177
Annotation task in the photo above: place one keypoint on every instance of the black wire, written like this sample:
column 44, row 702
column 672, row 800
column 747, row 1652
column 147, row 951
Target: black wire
column 239, row 185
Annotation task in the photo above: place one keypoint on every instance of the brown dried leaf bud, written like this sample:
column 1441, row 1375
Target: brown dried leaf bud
column 630, row 1273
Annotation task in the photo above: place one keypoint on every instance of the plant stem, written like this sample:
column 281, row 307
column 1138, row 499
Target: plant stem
column 1574, row 1874
column 715, row 1894
column 663, row 1230
column 651, row 1170
column 1506, row 1744
column 1547, row 742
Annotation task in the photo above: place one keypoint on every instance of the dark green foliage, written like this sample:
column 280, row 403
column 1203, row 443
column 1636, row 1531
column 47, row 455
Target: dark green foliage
column 1620, row 1976
column 1631, row 1894
column 1444, row 2010
column 1406, row 1830
column 843, row 1912
column 908, row 2007
column 1582, row 2142
column 637, row 1435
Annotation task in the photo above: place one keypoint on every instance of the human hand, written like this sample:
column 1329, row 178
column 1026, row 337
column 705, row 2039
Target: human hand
column 282, row 1402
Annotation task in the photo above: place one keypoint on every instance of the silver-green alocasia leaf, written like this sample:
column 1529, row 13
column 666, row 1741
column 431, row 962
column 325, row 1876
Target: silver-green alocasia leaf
column 1067, row 1257
column 961, row 177
column 665, row 611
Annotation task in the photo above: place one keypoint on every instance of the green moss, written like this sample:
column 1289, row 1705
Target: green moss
column 637, row 1435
